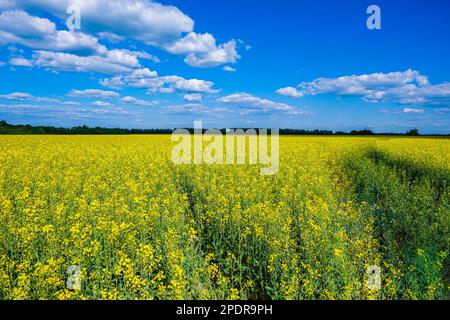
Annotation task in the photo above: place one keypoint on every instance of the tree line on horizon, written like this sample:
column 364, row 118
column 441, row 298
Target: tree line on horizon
column 6, row 128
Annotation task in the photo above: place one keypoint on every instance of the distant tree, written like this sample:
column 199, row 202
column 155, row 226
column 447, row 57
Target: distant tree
column 362, row 133
column 413, row 132
column 6, row 128
column 39, row 130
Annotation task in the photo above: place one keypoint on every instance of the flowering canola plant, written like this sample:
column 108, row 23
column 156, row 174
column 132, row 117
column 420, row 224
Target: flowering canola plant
column 140, row 227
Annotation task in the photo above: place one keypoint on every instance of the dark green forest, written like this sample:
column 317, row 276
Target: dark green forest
column 10, row 129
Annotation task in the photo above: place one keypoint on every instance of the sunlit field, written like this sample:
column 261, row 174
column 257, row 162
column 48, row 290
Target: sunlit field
column 140, row 227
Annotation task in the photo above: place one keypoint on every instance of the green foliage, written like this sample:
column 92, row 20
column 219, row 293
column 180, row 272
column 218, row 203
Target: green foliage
column 411, row 207
column 6, row 128
column 413, row 132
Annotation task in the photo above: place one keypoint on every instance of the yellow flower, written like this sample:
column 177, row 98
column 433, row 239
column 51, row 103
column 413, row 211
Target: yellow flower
column 337, row 252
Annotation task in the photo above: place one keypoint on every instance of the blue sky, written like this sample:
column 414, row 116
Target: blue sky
column 276, row 64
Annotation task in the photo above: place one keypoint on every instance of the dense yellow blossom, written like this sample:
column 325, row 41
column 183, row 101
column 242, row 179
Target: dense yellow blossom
column 140, row 227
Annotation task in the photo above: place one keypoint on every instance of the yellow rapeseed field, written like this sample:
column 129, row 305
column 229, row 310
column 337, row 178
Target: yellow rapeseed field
column 140, row 227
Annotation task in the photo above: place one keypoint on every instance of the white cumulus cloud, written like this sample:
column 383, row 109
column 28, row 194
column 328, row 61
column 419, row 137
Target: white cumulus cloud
column 21, row 62
column 138, row 102
column 193, row 97
column 229, row 69
column 407, row 87
column 23, row 96
column 102, row 104
column 146, row 21
column 146, row 79
column 142, row 20
column 410, row 110
column 246, row 100
column 202, row 50
column 115, row 83
column 290, row 92
column 18, row 27
column 60, row 61
column 94, row 93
